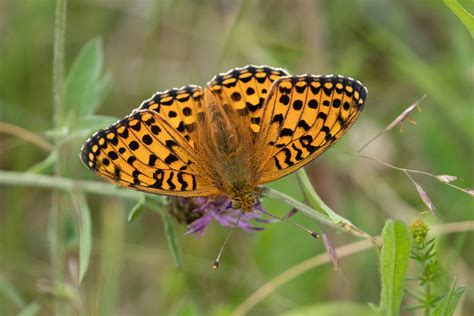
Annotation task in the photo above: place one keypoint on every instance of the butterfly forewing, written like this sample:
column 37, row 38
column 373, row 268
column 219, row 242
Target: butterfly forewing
column 180, row 107
column 304, row 116
column 246, row 90
column 163, row 147
column 145, row 152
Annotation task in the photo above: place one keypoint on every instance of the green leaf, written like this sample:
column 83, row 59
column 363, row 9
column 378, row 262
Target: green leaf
column 137, row 209
column 170, row 232
column 172, row 241
column 85, row 86
column 333, row 309
column 447, row 305
column 85, row 233
column 466, row 18
column 397, row 243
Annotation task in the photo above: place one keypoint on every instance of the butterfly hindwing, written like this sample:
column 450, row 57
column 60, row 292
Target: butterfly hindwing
column 303, row 116
column 180, row 107
column 143, row 151
column 246, row 89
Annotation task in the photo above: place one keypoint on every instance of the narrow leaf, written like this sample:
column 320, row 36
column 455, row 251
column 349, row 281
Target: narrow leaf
column 447, row 305
column 137, row 209
column 466, row 18
column 170, row 232
column 397, row 242
column 172, row 241
column 315, row 201
column 85, row 85
column 85, row 233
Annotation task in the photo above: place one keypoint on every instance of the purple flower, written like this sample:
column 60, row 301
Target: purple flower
column 198, row 213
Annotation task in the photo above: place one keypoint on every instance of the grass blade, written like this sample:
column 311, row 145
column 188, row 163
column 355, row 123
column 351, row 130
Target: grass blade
column 466, row 18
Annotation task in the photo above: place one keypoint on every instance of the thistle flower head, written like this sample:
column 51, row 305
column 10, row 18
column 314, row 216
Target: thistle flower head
column 198, row 213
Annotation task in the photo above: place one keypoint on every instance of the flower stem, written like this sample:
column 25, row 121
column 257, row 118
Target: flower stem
column 324, row 219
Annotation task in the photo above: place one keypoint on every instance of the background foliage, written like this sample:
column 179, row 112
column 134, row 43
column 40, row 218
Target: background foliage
column 118, row 53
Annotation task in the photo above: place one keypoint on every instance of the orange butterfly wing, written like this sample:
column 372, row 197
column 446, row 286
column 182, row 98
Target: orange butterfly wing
column 145, row 152
column 246, row 90
column 303, row 117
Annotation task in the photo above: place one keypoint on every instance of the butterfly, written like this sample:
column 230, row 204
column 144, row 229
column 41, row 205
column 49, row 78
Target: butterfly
column 247, row 127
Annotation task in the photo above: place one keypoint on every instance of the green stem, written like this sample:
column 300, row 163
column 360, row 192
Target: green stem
column 64, row 184
column 55, row 223
column 58, row 60
column 324, row 219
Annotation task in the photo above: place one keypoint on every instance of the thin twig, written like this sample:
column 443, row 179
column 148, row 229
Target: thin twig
column 405, row 170
column 323, row 258
column 26, row 135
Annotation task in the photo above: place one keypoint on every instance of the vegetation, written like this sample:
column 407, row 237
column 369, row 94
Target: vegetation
column 393, row 208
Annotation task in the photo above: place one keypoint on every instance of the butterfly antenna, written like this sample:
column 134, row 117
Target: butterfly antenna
column 289, row 221
column 215, row 266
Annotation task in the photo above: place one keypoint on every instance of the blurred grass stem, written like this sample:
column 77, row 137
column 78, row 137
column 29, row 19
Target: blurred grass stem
column 26, row 135
column 55, row 223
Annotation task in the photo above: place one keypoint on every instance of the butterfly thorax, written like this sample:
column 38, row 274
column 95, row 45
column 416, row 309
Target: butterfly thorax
column 225, row 143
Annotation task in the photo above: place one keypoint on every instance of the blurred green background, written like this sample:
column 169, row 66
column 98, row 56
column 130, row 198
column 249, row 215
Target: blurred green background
column 400, row 50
